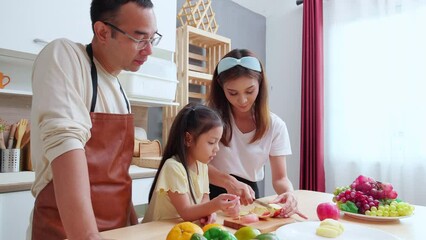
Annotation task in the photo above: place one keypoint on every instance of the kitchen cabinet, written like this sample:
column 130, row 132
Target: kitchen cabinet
column 15, row 210
column 26, row 26
column 39, row 20
column 23, row 21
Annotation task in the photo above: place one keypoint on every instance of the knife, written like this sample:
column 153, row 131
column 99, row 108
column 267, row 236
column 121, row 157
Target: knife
column 262, row 203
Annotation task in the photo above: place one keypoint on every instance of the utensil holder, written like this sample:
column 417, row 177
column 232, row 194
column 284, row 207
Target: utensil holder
column 11, row 160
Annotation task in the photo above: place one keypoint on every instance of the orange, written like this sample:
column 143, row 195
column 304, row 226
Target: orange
column 210, row 225
column 183, row 231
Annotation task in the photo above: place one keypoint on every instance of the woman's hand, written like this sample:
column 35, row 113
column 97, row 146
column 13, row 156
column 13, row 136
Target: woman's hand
column 244, row 191
column 232, row 185
column 208, row 219
column 289, row 202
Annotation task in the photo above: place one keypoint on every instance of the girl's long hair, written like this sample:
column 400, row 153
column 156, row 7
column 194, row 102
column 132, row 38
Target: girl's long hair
column 194, row 119
column 217, row 100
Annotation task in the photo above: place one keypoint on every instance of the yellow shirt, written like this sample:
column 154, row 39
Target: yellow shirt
column 173, row 178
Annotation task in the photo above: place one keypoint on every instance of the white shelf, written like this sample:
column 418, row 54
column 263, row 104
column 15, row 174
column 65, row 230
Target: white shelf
column 151, row 103
column 10, row 55
column 16, row 92
column 18, row 65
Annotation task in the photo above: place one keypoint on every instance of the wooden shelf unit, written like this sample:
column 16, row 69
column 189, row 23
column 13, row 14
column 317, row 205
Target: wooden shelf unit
column 197, row 54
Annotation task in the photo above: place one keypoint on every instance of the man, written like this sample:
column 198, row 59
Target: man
column 82, row 127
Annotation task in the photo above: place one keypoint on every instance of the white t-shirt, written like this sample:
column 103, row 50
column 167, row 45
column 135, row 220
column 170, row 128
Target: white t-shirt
column 247, row 160
column 62, row 97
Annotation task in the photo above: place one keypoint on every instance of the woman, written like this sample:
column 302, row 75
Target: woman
column 252, row 135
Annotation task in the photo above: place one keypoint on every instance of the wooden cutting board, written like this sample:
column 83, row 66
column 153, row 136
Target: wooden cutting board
column 264, row 225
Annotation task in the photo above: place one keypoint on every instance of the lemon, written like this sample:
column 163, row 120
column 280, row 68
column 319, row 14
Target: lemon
column 246, row 233
column 183, row 231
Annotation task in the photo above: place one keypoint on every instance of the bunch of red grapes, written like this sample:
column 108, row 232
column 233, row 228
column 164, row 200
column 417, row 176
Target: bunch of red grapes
column 365, row 193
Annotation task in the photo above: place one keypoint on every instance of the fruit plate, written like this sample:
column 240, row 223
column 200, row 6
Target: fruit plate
column 306, row 231
column 372, row 218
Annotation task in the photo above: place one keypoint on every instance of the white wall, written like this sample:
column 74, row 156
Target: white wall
column 283, row 61
column 283, row 68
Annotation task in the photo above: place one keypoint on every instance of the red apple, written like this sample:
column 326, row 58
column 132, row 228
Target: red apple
column 275, row 209
column 328, row 210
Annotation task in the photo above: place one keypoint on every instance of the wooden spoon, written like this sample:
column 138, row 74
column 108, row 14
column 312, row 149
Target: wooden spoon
column 26, row 137
column 21, row 129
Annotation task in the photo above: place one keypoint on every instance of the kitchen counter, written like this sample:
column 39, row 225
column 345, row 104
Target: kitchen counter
column 408, row 228
column 16, row 181
column 22, row 181
column 140, row 172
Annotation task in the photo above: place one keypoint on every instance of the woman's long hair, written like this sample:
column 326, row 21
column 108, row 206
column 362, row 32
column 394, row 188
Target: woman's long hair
column 217, row 99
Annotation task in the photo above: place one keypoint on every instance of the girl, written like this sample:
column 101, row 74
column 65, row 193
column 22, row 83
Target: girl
column 181, row 185
column 252, row 135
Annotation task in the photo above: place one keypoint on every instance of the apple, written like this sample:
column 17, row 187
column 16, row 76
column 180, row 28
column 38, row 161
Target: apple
column 328, row 210
column 261, row 211
column 275, row 209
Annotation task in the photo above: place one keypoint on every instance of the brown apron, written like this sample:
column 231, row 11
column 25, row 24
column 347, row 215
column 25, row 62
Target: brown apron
column 109, row 153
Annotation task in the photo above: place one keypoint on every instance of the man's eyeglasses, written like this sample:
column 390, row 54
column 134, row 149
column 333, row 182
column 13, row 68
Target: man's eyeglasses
column 141, row 43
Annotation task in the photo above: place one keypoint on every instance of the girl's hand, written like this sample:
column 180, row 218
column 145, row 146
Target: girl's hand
column 233, row 211
column 228, row 203
column 289, row 205
column 208, row 219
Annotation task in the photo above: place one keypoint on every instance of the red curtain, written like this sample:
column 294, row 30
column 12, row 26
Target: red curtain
column 312, row 175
